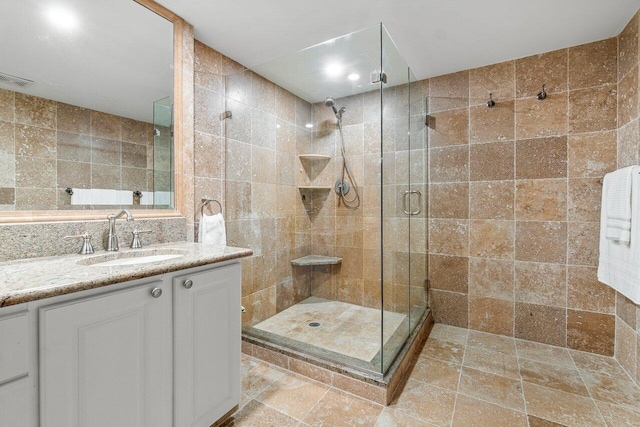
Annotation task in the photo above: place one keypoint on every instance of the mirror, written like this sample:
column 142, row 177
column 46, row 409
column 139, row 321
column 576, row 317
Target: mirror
column 86, row 96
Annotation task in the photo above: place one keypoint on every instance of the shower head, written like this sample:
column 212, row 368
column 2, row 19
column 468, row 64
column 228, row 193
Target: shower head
column 329, row 102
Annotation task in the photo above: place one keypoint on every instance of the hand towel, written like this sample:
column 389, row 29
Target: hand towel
column 124, row 197
column 162, row 198
column 104, row 197
column 212, row 230
column 81, row 196
column 617, row 190
column 147, row 198
column 619, row 262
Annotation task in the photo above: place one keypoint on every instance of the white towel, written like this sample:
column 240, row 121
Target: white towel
column 619, row 263
column 617, row 190
column 147, row 198
column 81, row 196
column 105, row 197
column 124, row 197
column 162, row 198
column 212, row 230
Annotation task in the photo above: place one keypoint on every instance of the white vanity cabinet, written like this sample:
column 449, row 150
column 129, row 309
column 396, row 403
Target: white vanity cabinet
column 14, row 368
column 207, row 345
column 106, row 360
column 160, row 351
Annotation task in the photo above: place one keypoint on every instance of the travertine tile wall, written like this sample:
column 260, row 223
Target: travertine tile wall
column 47, row 146
column 627, row 343
column 515, row 197
column 248, row 163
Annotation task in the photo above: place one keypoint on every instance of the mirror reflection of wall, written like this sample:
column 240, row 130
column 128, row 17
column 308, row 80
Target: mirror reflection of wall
column 78, row 91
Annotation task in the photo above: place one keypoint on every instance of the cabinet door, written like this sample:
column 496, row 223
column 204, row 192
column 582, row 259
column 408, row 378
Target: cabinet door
column 14, row 403
column 207, row 345
column 106, row 360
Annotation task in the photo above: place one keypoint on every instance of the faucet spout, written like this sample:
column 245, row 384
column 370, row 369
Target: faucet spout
column 112, row 243
column 122, row 213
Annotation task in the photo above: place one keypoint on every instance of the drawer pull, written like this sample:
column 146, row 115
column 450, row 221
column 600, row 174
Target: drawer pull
column 156, row 292
column 188, row 283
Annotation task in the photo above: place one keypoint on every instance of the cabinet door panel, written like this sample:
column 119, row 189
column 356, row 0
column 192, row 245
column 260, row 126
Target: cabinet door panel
column 207, row 339
column 106, row 360
column 14, row 349
column 14, row 406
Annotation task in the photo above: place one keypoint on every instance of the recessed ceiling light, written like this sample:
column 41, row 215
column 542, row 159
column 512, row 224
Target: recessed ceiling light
column 62, row 18
column 334, row 69
column 308, row 125
column 353, row 76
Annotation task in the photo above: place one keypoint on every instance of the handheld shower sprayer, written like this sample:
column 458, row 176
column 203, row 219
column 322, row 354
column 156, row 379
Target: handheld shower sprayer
column 329, row 102
column 342, row 186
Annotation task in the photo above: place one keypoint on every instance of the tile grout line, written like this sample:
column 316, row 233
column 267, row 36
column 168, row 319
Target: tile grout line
column 455, row 400
column 513, row 205
column 566, row 259
column 593, row 400
column 524, row 399
column 468, row 225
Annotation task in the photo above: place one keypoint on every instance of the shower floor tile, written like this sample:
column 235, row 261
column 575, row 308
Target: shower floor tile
column 343, row 328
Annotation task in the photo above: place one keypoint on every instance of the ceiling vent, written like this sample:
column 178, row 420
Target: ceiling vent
column 9, row 80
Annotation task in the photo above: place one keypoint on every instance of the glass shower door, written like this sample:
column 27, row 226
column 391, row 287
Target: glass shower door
column 403, row 210
column 163, row 179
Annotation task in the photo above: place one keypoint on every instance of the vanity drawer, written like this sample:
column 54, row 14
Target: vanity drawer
column 14, row 336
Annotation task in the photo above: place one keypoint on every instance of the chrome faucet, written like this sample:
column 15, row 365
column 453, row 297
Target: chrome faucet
column 112, row 244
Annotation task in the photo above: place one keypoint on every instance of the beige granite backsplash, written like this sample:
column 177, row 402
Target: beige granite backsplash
column 46, row 239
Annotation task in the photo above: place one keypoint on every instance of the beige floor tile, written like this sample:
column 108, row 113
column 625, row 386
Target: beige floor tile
column 499, row 343
column 492, row 388
column 436, row 372
column 426, row 402
column 292, row 395
column 256, row 376
column 443, row 350
column 560, row 407
column 476, row 413
column 448, row 333
column 539, row 422
column 616, row 415
column 392, row 418
column 543, row 353
column 492, row 362
column 337, row 408
column 598, row 364
column 612, row 390
column 255, row 414
column 553, row 376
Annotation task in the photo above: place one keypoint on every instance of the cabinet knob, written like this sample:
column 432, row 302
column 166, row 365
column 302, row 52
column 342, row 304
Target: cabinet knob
column 156, row 292
column 188, row 283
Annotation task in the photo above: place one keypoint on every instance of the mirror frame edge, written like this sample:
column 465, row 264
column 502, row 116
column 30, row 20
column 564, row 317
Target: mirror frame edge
column 183, row 133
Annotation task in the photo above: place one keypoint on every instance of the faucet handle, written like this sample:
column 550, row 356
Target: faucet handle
column 87, row 248
column 135, row 242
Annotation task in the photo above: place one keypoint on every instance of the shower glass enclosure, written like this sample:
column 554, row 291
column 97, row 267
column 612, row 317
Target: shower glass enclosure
column 163, row 180
column 342, row 218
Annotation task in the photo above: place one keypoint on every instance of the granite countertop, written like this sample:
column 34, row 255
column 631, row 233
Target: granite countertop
column 37, row 278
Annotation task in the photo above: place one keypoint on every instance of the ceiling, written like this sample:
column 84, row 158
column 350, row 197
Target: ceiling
column 116, row 58
column 434, row 37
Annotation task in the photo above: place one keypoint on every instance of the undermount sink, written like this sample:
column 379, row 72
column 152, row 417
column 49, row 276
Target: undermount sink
column 117, row 259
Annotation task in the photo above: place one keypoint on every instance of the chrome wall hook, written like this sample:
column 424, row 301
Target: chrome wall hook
column 543, row 93
column 491, row 103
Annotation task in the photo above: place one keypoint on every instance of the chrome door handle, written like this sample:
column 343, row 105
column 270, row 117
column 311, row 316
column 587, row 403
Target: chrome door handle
column 404, row 202
column 156, row 292
column 188, row 283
